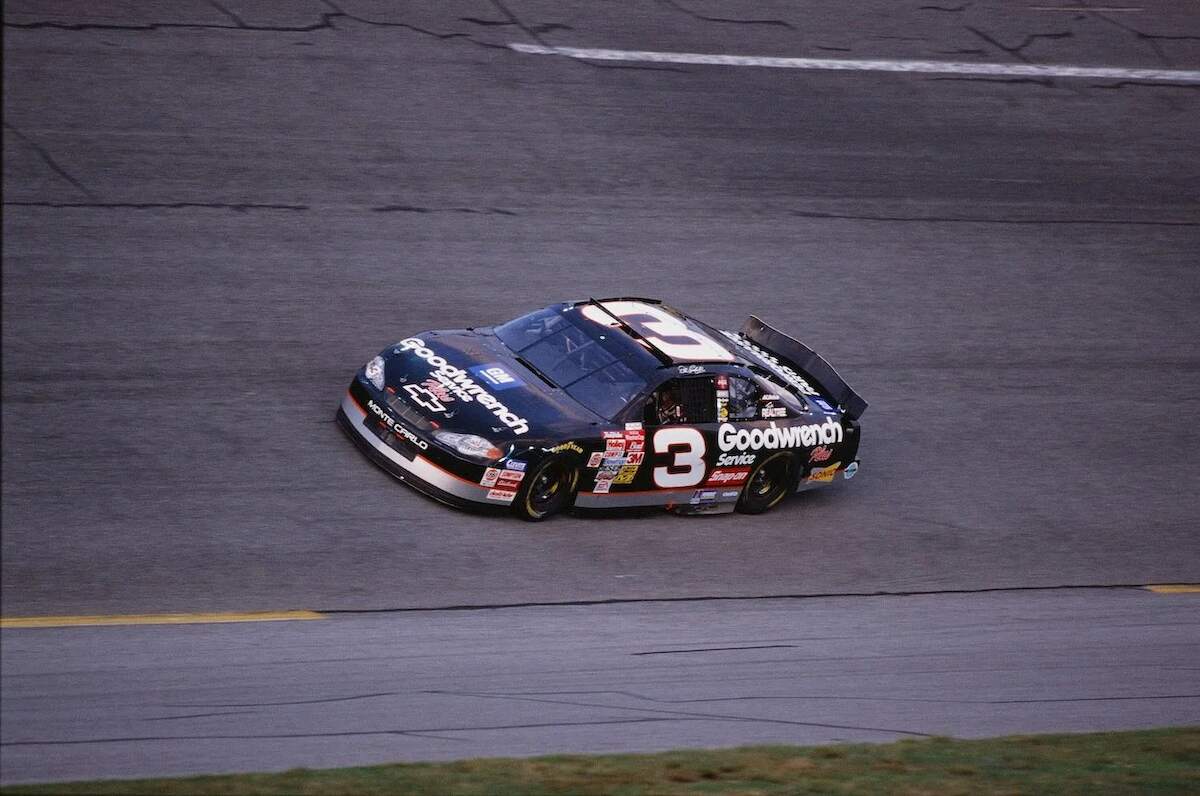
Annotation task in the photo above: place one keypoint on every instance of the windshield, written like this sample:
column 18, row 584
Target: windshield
column 593, row 366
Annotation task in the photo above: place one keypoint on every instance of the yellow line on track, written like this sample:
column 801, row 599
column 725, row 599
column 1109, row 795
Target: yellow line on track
column 156, row 619
column 1175, row 588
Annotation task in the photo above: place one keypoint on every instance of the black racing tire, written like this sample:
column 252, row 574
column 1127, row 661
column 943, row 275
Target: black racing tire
column 547, row 489
column 769, row 483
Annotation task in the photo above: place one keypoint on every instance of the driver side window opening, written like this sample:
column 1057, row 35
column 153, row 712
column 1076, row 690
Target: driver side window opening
column 681, row 401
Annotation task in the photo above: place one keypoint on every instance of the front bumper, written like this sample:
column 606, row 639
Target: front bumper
column 419, row 472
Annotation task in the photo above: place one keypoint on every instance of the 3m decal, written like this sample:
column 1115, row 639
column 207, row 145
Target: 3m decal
column 635, row 457
column 735, row 476
column 661, row 330
column 489, row 477
column 496, row 376
column 594, row 459
column 820, row 454
column 687, row 448
column 731, row 438
column 460, row 385
column 825, row 474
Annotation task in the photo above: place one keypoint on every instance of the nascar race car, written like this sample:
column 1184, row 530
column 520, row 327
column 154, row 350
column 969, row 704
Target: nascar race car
column 605, row 403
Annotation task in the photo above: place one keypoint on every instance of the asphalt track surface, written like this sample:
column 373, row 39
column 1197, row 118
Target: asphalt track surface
column 213, row 213
column 361, row 689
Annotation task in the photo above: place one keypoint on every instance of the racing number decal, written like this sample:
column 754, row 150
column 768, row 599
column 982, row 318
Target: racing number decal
column 687, row 445
column 661, row 329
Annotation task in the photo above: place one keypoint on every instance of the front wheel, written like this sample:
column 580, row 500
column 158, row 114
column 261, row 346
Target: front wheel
column 768, row 484
column 547, row 490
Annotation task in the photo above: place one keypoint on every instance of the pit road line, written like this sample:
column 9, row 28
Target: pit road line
column 838, row 64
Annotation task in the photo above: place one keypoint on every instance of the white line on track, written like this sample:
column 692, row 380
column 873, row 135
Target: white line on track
column 931, row 67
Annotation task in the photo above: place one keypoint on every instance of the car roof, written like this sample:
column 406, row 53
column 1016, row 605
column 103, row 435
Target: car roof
column 665, row 358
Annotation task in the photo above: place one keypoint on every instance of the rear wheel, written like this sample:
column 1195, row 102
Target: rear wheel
column 547, row 490
column 768, row 484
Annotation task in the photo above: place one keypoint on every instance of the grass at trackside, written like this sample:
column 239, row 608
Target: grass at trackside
column 1153, row 761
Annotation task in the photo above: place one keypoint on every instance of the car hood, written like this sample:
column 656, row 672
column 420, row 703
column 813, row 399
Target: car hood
column 466, row 380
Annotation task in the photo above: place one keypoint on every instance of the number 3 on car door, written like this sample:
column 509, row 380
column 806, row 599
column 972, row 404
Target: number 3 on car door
column 687, row 465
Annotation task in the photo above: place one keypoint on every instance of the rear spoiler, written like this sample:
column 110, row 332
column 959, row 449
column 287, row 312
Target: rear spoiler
column 797, row 355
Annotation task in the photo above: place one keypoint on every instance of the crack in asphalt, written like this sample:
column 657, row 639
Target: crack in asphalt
column 779, row 23
column 203, row 715
column 744, row 598
column 296, row 702
column 717, row 649
column 419, row 733
column 1016, row 52
column 951, row 9
column 51, row 162
column 325, row 21
column 1146, row 83
column 496, row 211
column 972, row 220
column 544, row 27
column 239, row 207
column 536, row 35
column 835, row 697
column 685, row 714
column 1045, row 82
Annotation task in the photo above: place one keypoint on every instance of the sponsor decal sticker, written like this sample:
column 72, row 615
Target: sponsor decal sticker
column 494, row 375
column 424, row 397
column 613, row 435
column 789, row 375
column 594, row 459
column 513, row 475
column 850, row 471
column 438, row 389
column 689, row 370
column 704, row 496
column 633, row 427
column 735, row 476
column 825, row 474
column 503, row 495
column 774, row 437
column 635, row 457
column 507, row 485
column 626, row 475
column 602, row 486
column 567, row 446
column 820, row 454
column 636, row 445
column 821, row 402
column 727, row 459
column 516, row 466
column 730, row 494
column 457, row 381
column 617, row 445
column 489, row 477
column 773, row 411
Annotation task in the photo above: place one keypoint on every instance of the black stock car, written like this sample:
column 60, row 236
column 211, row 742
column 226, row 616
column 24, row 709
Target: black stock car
column 605, row 403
